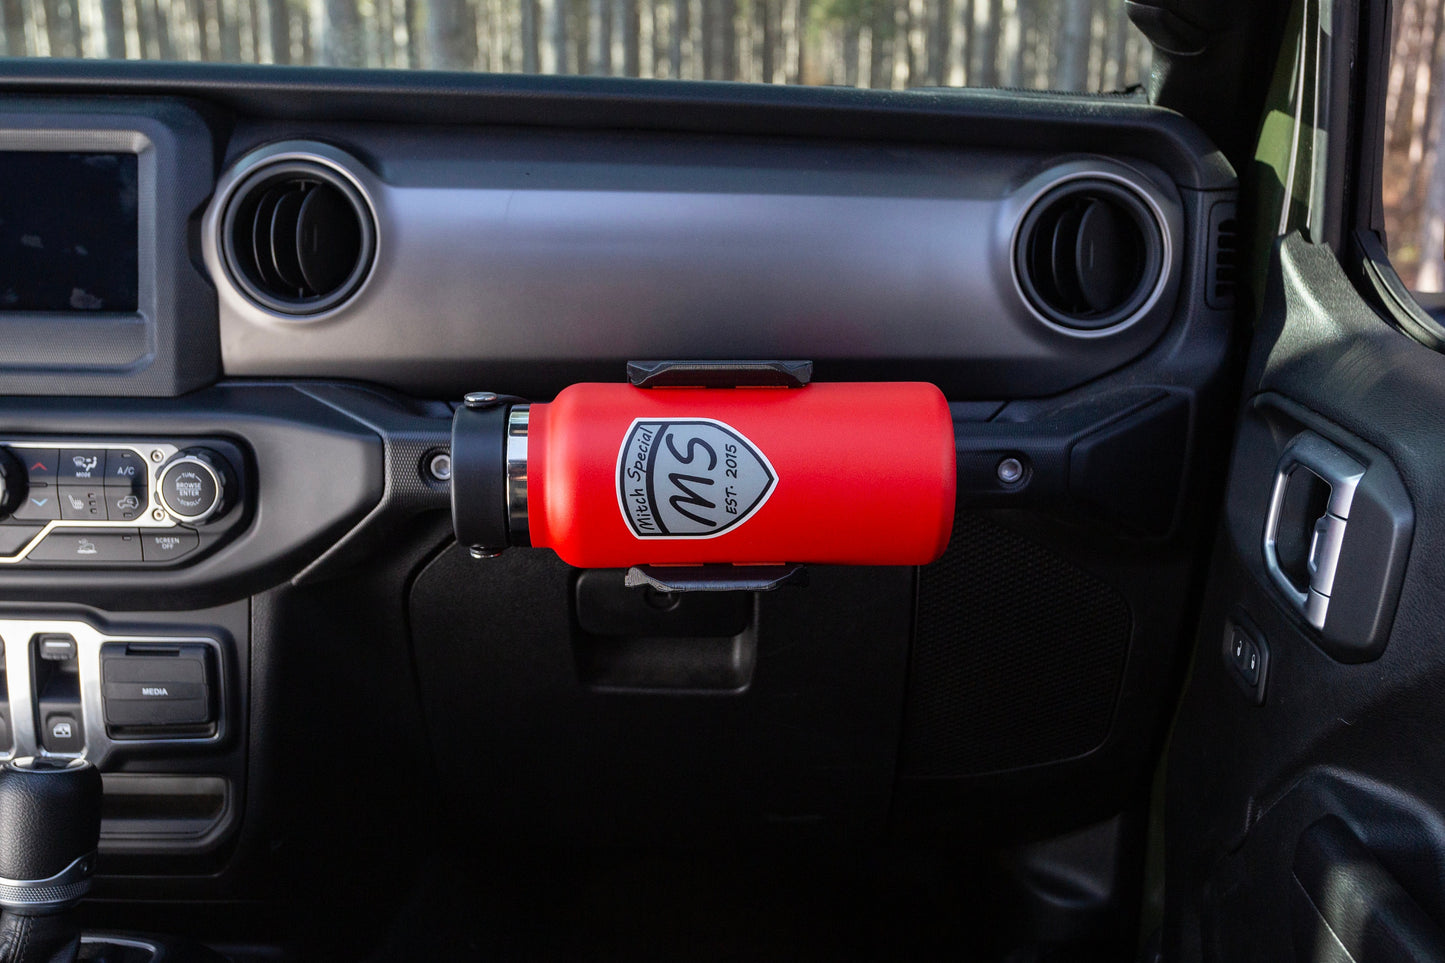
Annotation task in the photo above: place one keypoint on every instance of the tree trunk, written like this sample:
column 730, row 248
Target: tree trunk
column 161, row 14
column 229, row 21
column 1118, row 77
column 451, row 35
column 1074, row 46
column 579, row 23
column 1030, row 57
column 905, row 53
column 13, row 12
column 708, row 31
column 306, row 38
column 411, row 15
column 381, row 33
column 113, row 15
column 213, row 28
column 880, row 40
column 1404, row 62
column 988, row 44
column 850, row 54
column 1431, row 274
column 599, row 33
column 661, row 38
column 200, row 12
column 677, row 48
column 940, row 36
column 553, row 24
column 145, row 30
column 57, row 28
column 1010, row 66
column 341, row 39
column 1432, row 46
column 727, row 39
column 631, row 38
column 531, row 37
column 967, row 53
column 1424, row 134
column 766, row 54
column 802, row 11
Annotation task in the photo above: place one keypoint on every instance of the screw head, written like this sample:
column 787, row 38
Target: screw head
column 157, row 455
column 158, row 514
column 480, row 399
column 1010, row 471
column 662, row 601
column 439, row 466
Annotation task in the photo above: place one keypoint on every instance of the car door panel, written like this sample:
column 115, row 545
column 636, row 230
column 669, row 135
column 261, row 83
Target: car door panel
column 1343, row 731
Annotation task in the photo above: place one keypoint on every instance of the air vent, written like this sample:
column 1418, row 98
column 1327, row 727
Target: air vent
column 1223, row 256
column 1090, row 254
column 298, row 238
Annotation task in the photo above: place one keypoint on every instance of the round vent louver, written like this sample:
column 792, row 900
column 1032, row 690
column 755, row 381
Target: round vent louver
column 298, row 238
column 1089, row 255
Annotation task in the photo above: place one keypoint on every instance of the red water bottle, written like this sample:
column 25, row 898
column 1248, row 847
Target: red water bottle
column 611, row 475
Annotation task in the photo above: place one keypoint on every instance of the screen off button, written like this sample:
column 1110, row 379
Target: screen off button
column 168, row 546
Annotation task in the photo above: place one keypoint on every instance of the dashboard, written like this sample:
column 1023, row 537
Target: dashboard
column 244, row 305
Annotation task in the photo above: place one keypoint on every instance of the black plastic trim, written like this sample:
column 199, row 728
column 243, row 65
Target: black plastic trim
column 170, row 344
column 719, row 374
column 1106, row 124
column 317, row 473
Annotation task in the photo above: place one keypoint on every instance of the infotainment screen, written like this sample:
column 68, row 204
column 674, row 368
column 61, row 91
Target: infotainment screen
column 69, row 232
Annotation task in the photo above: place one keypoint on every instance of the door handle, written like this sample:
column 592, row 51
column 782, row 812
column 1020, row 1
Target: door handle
column 1342, row 473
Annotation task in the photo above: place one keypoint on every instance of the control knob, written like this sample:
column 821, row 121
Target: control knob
column 192, row 486
column 12, row 482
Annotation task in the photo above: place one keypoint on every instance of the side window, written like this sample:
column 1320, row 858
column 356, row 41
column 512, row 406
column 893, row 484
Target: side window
column 1413, row 178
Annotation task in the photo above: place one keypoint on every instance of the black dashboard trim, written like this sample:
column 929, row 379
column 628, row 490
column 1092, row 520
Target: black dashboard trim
column 1109, row 123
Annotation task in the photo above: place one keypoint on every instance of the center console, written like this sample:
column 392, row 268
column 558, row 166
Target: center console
column 88, row 502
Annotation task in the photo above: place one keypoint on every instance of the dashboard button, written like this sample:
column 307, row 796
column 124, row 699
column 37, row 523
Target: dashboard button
column 168, row 546
column 82, row 466
column 88, row 547
column 40, row 504
column 124, row 504
column 41, row 464
column 55, row 646
column 81, row 504
column 62, row 733
column 15, row 537
column 124, row 469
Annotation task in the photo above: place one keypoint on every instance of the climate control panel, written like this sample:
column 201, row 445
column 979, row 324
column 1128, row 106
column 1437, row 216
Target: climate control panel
column 102, row 502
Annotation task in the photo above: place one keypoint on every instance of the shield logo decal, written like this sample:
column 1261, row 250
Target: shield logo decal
column 689, row 478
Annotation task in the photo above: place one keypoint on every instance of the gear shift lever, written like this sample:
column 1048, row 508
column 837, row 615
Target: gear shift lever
column 49, row 830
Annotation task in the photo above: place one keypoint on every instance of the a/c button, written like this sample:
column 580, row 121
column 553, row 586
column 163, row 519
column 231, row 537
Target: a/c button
column 167, row 546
